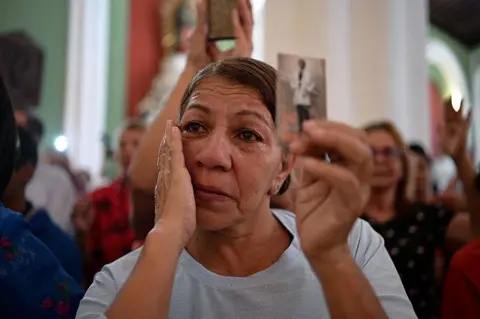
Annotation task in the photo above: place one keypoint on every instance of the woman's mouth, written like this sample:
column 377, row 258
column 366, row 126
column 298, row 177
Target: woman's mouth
column 210, row 193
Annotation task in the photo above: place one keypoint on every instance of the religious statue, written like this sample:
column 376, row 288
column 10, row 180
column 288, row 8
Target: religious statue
column 177, row 19
column 21, row 65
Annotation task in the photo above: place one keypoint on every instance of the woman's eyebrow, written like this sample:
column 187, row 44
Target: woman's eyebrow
column 258, row 115
column 199, row 107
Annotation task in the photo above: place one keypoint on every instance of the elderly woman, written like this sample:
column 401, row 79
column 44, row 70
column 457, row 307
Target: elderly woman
column 217, row 250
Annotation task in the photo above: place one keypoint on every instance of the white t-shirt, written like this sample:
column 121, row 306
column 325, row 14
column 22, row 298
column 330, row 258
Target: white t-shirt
column 286, row 290
column 51, row 189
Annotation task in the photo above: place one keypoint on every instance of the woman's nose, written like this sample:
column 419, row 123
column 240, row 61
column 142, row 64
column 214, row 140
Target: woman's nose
column 215, row 152
column 379, row 157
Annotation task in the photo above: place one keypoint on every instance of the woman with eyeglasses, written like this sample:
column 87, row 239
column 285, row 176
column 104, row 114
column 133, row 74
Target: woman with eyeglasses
column 412, row 230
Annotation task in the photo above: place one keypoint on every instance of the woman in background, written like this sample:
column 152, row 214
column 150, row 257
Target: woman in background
column 102, row 218
column 412, row 230
column 32, row 282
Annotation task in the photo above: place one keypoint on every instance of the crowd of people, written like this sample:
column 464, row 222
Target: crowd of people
column 210, row 218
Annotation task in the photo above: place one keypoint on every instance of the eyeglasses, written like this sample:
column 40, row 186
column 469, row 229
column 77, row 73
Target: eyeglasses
column 388, row 152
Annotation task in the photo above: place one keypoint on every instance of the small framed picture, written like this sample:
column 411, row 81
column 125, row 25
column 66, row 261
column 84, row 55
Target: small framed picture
column 300, row 95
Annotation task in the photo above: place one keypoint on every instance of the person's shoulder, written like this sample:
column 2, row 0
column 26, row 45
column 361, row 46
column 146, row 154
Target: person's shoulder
column 431, row 212
column 120, row 269
column 466, row 259
column 55, row 230
column 287, row 218
column 53, row 173
column 9, row 219
column 104, row 191
column 363, row 239
column 49, row 169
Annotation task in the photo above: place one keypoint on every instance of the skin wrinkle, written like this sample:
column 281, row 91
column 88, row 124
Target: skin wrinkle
column 216, row 154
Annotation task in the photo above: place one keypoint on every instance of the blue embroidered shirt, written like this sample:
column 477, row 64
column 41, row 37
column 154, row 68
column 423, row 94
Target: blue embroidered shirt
column 59, row 243
column 33, row 284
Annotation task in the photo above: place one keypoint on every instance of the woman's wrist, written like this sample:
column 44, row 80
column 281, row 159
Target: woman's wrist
column 331, row 259
column 192, row 67
column 164, row 236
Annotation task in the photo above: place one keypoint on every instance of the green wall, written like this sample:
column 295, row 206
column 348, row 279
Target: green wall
column 46, row 21
column 436, row 76
column 117, row 75
column 118, row 61
column 474, row 62
column 461, row 51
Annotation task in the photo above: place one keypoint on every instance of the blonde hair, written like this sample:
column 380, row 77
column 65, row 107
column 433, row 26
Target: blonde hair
column 401, row 198
column 134, row 124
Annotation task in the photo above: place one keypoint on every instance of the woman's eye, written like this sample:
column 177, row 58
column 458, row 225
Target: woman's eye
column 249, row 136
column 193, row 127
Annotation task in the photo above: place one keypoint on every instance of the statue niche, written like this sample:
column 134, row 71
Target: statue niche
column 177, row 19
column 21, row 65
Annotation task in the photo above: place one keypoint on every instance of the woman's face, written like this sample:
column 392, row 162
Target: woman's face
column 387, row 159
column 129, row 141
column 231, row 152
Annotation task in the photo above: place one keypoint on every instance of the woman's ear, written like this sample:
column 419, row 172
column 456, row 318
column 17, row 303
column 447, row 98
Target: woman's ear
column 288, row 161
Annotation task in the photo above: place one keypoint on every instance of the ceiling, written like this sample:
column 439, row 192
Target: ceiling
column 458, row 18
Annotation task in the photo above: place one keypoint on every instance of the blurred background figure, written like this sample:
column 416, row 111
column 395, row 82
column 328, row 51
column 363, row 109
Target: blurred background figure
column 413, row 230
column 14, row 198
column 33, row 283
column 462, row 286
column 102, row 218
column 422, row 184
column 51, row 186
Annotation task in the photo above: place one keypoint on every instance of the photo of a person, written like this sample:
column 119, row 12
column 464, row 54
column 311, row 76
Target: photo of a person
column 302, row 87
column 301, row 92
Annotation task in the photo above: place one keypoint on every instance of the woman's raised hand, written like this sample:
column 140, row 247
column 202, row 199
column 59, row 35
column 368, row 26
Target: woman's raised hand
column 243, row 27
column 454, row 131
column 330, row 196
column 201, row 52
column 198, row 55
column 174, row 197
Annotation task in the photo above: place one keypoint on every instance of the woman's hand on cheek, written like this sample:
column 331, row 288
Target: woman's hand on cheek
column 330, row 196
column 174, row 197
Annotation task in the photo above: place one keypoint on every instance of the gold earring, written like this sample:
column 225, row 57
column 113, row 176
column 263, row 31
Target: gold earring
column 277, row 188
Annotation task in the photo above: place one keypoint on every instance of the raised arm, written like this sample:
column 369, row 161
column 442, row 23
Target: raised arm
column 329, row 199
column 454, row 142
column 145, row 162
column 141, row 174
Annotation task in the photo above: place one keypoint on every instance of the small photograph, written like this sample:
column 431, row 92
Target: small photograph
column 301, row 93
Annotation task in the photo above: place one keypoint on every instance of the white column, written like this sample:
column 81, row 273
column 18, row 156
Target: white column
column 86, row 94
column 374, row 49
column 475, row 121
column 259, row 29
